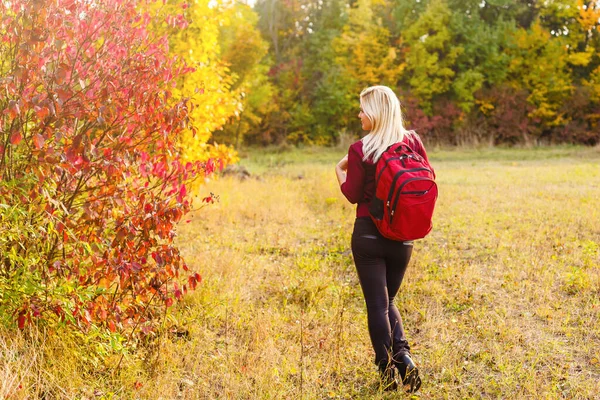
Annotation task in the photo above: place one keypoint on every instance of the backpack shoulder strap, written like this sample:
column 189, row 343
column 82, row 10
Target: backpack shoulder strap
column 397, row 147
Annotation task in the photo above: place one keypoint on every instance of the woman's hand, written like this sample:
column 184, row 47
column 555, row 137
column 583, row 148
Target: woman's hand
column 340, row 170
column 343, row 164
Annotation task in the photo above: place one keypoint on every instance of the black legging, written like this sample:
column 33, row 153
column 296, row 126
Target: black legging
column 381, row 264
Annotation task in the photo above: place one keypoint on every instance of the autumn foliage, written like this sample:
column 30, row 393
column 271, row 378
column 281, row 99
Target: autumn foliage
column 92, row 185
column 467, row 71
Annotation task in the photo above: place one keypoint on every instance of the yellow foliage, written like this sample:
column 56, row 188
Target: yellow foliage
column 431, row 54
column 581, row 58
column 485, row 106
column 537, row 38
column 363, row 50
column 540, row 66
column 589, row 17
column 208, row 86
column 594, row 84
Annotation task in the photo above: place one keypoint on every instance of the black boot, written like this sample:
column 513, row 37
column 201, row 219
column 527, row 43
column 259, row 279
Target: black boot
column 409, row 373
column 389, row 377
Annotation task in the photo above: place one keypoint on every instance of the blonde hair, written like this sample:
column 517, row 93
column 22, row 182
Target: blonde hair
column 382, row 108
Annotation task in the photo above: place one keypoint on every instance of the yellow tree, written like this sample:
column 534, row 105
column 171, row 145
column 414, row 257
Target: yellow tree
column 540, row 65
column 574, row 22
column 588, row 16
column 244, row 50
column 589, row 19
column 364, row 50
column 208, row 87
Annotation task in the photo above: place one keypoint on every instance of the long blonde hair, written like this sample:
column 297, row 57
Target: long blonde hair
column 382, row 108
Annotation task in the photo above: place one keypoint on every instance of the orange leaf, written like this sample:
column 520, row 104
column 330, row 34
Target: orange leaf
column 41, row 112
column 16, row 138
column 13, row 109
column 63, row 95
column 38, row 141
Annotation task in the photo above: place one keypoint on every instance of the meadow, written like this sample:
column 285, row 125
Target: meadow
column 500, row 301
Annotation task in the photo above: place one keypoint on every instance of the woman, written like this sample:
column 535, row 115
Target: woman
column 380, row 262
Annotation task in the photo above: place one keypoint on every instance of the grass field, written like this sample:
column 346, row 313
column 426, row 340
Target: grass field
column 501, row 301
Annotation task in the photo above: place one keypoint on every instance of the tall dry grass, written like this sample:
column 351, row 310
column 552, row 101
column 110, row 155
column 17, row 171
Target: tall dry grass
column 502, row 300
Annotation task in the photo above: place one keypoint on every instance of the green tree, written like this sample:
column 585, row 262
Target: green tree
column 244, row 51
column 482, row 62
column 428, row 45
column 539, row 64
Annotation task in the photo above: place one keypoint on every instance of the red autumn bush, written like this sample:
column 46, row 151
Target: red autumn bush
column 437, row 127
column 584, row 118
column 91, row 184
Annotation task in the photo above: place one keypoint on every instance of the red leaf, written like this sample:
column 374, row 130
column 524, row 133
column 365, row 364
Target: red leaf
column 21, row 321
column 61, row 74
column 193, row 281
column 38, row 141
column 41, row 112
column 63, row 95
column 209, row 167
column 182, row 193
column 16, row 138
column 158, row 259
column 52, row 57
column 13, row 109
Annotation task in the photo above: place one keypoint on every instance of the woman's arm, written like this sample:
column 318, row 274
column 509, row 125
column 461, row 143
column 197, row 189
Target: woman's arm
column 352, row 181
column 340, row 170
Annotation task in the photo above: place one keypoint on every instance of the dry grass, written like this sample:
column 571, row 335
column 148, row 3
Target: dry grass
column 502, row 300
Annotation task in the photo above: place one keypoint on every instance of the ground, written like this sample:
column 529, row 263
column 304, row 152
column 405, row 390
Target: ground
column 501, row 300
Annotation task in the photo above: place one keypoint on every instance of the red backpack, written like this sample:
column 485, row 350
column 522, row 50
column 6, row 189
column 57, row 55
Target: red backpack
column 405, row 194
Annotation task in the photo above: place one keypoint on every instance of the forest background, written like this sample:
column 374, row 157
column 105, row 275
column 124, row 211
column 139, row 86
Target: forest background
column 467, row 71
column 113, row 114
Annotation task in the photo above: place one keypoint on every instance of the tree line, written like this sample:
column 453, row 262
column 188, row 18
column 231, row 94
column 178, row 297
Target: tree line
column 466, row 71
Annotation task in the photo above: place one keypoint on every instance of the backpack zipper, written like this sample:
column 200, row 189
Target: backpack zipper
column 423, row 192
column 414, row 156
column 384, row 167
column 396, row 179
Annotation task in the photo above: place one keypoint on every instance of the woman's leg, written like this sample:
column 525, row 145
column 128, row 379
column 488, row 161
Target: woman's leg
column 398, row 257
column 367, row 250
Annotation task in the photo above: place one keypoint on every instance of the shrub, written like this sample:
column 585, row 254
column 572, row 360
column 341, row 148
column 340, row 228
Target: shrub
column 506, row 112
column 91, row 182
column 439, row 127
column 584, row 114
